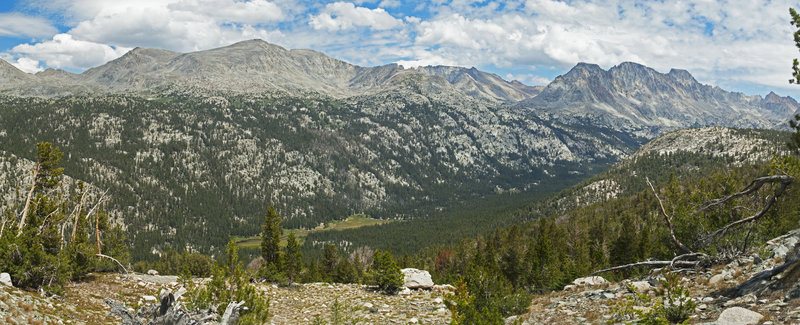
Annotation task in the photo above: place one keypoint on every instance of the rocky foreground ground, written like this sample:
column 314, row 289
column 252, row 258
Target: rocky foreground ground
column 589, row 301
column 84, row 302
column 593, row 300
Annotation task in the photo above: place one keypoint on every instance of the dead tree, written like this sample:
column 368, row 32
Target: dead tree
column 21, row 225
column 692, row 259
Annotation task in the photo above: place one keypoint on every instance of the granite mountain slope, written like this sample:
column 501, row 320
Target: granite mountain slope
column 633, row 97
column 194, row 146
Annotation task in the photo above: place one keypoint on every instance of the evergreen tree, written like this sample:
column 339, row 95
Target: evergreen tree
column 387, row 275
column 293, row 258
column 271, row 239
column 330, row 259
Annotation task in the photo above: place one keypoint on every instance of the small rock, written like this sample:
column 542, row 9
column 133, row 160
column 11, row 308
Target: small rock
column 152, row 272
column 368, row 305
column 738, row 316
column 716, row 279
column 405, row 291
column 5, row 279
column 180, row 293
column 641, row 286
column 444, row 288
column 707, row 299
column 413, row 320
column 589, row 281
column 438, row 300
column 702, row 307
column 149, row 298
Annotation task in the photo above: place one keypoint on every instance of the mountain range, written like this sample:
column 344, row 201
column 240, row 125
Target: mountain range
column 194, row 146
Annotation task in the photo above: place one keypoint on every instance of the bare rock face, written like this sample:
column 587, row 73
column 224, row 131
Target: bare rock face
column 738, row 316
column 417, row 279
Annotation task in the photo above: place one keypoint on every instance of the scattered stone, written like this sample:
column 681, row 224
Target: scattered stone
column 738, row 316
column 5, row 279
column 149, row 298
column 417, row 279
column 716, row 279
column 152, row 272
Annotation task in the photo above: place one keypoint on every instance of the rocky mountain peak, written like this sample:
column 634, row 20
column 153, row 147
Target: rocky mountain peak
column 10, row 74
column 682, row 75
column 583, row 70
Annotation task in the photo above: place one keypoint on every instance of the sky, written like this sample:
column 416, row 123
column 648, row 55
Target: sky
column 742, row 45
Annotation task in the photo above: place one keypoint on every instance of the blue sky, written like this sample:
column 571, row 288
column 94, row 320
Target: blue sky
column 742, row 46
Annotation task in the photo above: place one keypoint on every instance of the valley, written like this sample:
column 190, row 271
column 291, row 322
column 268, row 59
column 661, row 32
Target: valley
column 502, row 190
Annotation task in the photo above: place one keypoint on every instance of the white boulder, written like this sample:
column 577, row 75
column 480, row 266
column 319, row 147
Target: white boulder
column 152, row 272
column 417, row 279
column 589, row 281
column 5, row 279
column 738, row 316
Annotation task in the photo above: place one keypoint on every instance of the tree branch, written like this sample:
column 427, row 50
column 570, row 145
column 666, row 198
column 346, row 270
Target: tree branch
column 677, row 262
column 21, row 224
column 668, row 219
column 113, row 259
column 783, row 179
column 755, row 185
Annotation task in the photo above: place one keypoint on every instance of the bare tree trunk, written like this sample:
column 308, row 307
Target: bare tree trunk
column 669, row 221
column 21, row 224
column 76, row 214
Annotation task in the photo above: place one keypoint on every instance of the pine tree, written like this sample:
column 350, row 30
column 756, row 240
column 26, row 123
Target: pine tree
column 271, row 239
column 293, row 257
column 387, row 275
column 330, row 259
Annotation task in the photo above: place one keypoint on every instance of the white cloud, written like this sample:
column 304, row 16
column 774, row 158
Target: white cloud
column 27, row 65
column 18, row 25
column 180, row 25
column 65, row 52
column 529, row 79
column 344, row 16
column 252, row 12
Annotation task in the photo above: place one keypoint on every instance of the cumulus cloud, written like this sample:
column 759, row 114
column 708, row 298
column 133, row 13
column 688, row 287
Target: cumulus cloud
column 27, row 65
column 65, row 52
column 344, row 15
column 529, row 78
column 18, row 25
column 252, row 12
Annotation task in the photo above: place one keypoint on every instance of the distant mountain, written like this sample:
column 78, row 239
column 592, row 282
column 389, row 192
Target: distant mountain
column 634, row 97
column 253, row 67
column 194, row 146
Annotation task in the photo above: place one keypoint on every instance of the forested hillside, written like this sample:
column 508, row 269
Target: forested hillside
column 189, row 172
column 712, row 150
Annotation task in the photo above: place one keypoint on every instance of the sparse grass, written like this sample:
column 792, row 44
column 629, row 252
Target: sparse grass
column 352, row 222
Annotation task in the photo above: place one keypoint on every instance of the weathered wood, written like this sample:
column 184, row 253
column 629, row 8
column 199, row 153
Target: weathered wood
column 21, row 224
column 668, row 219
column 113, row 259
column 677, row 262
column 785, row 182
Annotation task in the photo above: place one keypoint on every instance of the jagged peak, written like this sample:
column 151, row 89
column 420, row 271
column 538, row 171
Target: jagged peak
column 680, row 74
column 583, row 69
